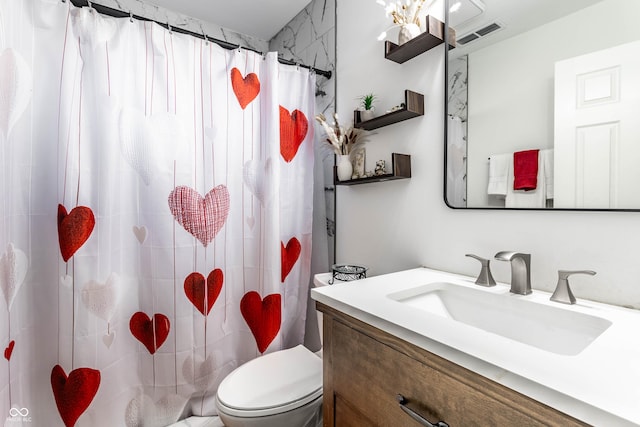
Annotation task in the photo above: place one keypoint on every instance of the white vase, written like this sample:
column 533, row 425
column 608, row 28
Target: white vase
column 408, row 32
column 345, row 168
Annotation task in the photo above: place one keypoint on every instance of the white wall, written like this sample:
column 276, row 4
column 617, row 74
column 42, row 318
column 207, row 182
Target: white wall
column 511, row 84
column 402, row 224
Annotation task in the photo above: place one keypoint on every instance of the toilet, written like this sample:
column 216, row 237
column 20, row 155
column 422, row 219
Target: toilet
column 283, row 388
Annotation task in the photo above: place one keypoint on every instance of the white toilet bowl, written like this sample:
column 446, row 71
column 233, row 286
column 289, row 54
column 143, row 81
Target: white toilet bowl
column 279, row 389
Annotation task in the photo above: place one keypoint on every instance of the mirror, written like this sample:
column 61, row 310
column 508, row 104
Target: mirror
column 543, row 106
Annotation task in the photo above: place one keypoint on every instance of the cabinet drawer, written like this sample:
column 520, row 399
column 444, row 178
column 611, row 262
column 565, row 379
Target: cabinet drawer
column 368, row 375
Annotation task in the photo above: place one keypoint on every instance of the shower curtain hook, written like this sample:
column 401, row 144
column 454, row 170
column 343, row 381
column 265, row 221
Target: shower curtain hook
column 204, row 35
column 169, row 27
column 90, row 5
column 130, row 16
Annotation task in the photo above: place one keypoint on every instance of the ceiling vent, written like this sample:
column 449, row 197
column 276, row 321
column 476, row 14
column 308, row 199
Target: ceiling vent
column 479, row 33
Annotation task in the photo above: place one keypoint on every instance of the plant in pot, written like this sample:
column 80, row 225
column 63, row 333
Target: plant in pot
column 366, row 106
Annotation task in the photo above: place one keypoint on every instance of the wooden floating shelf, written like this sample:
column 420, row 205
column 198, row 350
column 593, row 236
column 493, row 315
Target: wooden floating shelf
column 413, row 107
column 400, row 164
column 432, row 37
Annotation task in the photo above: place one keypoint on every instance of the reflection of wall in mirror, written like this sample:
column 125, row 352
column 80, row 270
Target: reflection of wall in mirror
column 511, row 84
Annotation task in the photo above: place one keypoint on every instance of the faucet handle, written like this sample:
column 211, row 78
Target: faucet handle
column 484, row 278
column 563, row 292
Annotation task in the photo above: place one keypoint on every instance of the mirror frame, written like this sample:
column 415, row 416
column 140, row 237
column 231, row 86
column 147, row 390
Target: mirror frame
column 445, row 137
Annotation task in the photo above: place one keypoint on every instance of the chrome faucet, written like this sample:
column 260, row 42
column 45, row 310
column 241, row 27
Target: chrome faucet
column 520, row 271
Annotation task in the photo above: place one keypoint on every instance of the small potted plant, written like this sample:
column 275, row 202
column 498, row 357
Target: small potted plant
column 366, row 106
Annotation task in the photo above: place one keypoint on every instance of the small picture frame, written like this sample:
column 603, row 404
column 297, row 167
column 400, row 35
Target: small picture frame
column 358, row 164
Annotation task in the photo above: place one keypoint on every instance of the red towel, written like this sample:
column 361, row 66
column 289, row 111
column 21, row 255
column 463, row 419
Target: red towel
column 525, row 170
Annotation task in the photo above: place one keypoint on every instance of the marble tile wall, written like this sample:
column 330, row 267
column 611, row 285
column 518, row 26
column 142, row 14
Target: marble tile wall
column 458, row 100
column 458, row 80
column 309, row 39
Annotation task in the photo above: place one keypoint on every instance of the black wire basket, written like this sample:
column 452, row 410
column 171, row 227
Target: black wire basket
column 347, row 272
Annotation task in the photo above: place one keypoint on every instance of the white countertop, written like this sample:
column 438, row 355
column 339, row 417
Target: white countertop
column 600, row 385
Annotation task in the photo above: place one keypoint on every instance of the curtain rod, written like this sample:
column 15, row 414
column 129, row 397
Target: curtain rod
column 105, row 10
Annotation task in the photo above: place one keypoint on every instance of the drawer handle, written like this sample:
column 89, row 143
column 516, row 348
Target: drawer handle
column 413, row 414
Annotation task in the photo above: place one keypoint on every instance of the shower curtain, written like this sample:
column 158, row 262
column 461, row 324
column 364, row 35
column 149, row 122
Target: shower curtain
column 156, row 216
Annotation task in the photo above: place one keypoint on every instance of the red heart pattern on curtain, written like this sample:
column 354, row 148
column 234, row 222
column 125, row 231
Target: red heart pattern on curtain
column 74, row 228
column 197, row 289
column 74, row 393
column 246, row 88
column 9, row 350
column 263, row 317
column 202, row 217
column 293, row 130
column 152, row 334
column 289, row 256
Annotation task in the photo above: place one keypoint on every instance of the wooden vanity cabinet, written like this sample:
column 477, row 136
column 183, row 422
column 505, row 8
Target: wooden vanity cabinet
column 365, row 369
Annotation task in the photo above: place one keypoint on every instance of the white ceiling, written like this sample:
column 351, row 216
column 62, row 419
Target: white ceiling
column 258, row 18
column 515, row 16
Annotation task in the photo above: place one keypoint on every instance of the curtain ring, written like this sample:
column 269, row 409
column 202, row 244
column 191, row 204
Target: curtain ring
column 169, row 27
column 90, row 5
column 131, row 17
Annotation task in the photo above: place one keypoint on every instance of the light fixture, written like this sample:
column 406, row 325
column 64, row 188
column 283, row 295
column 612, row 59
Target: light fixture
column 462, row 11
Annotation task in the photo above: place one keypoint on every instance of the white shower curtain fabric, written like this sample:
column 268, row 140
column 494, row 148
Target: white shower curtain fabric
column 156, row 216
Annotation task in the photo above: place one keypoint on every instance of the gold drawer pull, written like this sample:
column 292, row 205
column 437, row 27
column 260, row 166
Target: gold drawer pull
column 413, row 414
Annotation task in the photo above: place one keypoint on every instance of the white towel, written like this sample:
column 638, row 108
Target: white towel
column 547, row 161
column 531, row 198
column 499, row 174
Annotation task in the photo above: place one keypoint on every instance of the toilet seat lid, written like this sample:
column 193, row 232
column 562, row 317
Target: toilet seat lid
column 274, row 383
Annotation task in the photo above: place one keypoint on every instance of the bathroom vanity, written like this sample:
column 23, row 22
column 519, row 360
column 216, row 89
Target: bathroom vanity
column 396, row 353
column 366, row 369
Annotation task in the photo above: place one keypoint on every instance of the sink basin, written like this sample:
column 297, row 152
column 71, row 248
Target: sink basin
column 554, row 329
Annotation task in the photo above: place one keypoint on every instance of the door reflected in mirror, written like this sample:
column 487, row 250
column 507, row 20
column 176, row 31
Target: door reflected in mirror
column 544, row 105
